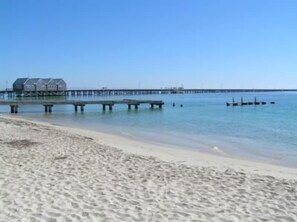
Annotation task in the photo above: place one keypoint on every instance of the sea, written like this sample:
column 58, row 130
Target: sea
column 200, row 122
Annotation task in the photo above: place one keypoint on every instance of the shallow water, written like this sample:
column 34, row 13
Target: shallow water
column 266, row 133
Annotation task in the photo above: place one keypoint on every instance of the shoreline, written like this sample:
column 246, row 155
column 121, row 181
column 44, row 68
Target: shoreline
column 57, row 173
column 169, row 152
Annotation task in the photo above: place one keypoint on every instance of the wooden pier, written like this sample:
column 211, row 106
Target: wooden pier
column 128, row 92
column 248, row 103
column 48, row 104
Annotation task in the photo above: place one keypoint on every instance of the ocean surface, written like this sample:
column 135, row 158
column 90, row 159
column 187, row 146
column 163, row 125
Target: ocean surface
column 265, row 133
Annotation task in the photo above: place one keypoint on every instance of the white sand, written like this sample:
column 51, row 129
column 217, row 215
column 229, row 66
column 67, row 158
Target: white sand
column 51, row 173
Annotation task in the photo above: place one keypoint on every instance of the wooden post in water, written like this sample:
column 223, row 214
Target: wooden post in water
column 75, row 108
column 48, row 108
column 256, row 103
column 13, row 108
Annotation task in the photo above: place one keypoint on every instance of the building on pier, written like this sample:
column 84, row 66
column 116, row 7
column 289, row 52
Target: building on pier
column 39, row 87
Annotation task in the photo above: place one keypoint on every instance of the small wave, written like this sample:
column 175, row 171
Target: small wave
column 218, row 150
column 125, row 133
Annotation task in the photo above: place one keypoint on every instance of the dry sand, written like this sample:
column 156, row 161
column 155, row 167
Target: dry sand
column 52, row 173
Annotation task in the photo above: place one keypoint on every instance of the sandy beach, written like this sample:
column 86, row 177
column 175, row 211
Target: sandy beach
column 54, row 173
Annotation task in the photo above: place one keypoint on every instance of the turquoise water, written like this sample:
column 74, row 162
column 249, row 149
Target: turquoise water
column 265, row 133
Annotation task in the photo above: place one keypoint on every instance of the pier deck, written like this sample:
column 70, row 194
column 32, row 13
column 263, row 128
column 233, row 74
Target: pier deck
column 48, row 104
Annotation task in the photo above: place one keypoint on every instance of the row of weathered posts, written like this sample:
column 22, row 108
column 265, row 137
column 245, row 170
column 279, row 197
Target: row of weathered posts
column 48, row 104
column 242, row 103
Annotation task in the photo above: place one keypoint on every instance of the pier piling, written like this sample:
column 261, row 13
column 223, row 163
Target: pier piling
column 48, row 108
column 13, row 108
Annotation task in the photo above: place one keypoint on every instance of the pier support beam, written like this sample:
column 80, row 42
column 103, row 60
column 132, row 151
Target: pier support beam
column 136, row 107
column 13, row 108
column 109, row 107
column 48, row 108
column 81, row 107
column 129, row 106
column 158, row 105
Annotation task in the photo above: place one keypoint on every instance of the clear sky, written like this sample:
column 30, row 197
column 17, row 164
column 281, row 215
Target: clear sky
column 151, row 43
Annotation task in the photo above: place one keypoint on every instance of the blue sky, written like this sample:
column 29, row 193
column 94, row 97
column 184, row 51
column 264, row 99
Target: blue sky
column 151, row 43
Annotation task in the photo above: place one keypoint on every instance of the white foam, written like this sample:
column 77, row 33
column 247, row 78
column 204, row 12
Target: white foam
column 218, row 150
